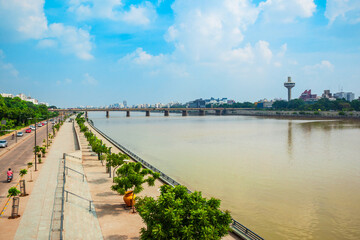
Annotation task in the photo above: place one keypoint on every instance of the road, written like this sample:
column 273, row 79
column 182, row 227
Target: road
column 19, row 156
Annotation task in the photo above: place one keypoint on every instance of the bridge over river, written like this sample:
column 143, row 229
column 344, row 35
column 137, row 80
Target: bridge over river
column 166, row 111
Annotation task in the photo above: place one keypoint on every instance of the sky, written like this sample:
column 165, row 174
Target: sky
column 98, row 52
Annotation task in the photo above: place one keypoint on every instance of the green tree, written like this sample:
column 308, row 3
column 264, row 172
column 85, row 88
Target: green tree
column 131, row 176
column 23, row 172
column 13, row 192
column 176, row 214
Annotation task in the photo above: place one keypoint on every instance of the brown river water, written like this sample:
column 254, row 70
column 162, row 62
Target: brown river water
column 283, row 179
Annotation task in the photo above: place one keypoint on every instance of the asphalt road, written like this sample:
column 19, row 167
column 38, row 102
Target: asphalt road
column 19, row 156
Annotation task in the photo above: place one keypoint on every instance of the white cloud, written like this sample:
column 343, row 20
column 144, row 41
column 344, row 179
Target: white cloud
column 27, row 20
column 141, row 57
column 89, row 80
column 7, row 69
column 72, row 40
column 141, row 14
column 287, row 10
column 349, row 10
column 324, row 65
column 206, row 30
column 262, row 47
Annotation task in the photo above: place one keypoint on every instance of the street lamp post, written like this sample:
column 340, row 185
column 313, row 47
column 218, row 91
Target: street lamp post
column 47, row 130
column 35, row 145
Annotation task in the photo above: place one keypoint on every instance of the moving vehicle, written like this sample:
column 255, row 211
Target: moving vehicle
column 32, row 127
column 3, row 143
column 9, row 175
column 40, row 125
column 43, row 124
column 20, row 134
column 28, row 130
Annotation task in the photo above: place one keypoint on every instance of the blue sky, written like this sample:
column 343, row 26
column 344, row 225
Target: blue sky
column 99, row 52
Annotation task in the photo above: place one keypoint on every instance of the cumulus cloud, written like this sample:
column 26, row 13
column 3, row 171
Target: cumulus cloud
column 349, row 10
column 89, row 80
column 141, row 57
column 287, row 10
column 27, row 20
column 141, row 14
column 324, row 65
column 205, row 30
column 72, row 39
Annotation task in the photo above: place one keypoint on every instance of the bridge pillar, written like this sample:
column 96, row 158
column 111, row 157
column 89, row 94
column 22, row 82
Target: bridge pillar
column 166, row 113
column 148, row 113
column 218, row 112
column 127, row 113
column 201, row 112
column 184, row 113
column 107, row 114
column 86, row 114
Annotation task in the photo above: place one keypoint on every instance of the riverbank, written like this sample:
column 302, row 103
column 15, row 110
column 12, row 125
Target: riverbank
column 301, row 115
column 238, row 230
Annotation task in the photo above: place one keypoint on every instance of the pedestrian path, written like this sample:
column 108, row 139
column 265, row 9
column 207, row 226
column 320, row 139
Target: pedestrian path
column 80, row 217
column 38, row 218
column 36, row 221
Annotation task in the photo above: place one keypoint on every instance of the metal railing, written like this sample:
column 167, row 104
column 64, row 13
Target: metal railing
column 67, row 172
column 235, row 225
column 67, row 197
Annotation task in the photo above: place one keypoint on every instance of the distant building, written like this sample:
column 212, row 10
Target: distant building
column 326, row 94
column 22, row 96
column 125, row 103
column 264, row 103
column 9, row 95
column 348, row 96
column 230, row 102
column 307, row 96
column 198, row 103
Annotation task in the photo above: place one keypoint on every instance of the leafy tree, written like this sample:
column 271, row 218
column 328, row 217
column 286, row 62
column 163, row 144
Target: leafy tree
column 132, row 176
column 13, row 192
column 23, row 172
column 176, row 214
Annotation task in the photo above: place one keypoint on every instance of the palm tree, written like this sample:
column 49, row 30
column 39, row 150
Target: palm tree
column 131, row 176
column 22, row 173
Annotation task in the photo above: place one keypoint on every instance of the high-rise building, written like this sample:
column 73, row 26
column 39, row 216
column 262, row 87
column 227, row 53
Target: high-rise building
column 348, row 96
column 289, row 85
column 125, row 103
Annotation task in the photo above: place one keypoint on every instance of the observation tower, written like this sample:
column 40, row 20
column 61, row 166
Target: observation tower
column 289, row 85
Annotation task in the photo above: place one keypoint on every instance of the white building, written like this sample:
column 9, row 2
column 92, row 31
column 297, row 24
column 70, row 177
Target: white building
column 7, row 95
column 348, row 96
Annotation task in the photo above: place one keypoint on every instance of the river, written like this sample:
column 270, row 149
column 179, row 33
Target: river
column 283, row 179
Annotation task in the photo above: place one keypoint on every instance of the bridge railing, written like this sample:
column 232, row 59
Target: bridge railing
column 238, row 228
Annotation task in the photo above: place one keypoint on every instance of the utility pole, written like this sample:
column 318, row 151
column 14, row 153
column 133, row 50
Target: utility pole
column 47, row 130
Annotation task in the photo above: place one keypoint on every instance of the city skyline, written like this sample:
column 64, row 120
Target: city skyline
column 71, row 53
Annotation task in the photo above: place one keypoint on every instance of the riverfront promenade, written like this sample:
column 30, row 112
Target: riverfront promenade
column 38, row 221
column 115, row 220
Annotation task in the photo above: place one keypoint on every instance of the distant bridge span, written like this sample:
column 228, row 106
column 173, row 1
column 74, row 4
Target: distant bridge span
column 218, row 111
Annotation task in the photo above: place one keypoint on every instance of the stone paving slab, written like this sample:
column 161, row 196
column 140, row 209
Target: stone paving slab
column 36, row 220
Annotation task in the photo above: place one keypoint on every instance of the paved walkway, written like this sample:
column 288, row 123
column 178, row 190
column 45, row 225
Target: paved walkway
column 37, row 218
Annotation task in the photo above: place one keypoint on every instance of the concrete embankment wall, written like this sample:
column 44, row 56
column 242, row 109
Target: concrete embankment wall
column 293, row 114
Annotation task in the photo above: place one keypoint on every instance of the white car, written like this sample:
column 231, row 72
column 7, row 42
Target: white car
column 20, row 134
column 3, row 143
column 32, row 127
column 39, row 125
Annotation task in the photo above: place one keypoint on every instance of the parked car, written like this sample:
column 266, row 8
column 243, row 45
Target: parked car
column 3, row 143
column 20, row 134
column 43, row 124
column 40, row 125
column 28, row 130
column 32, row 127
